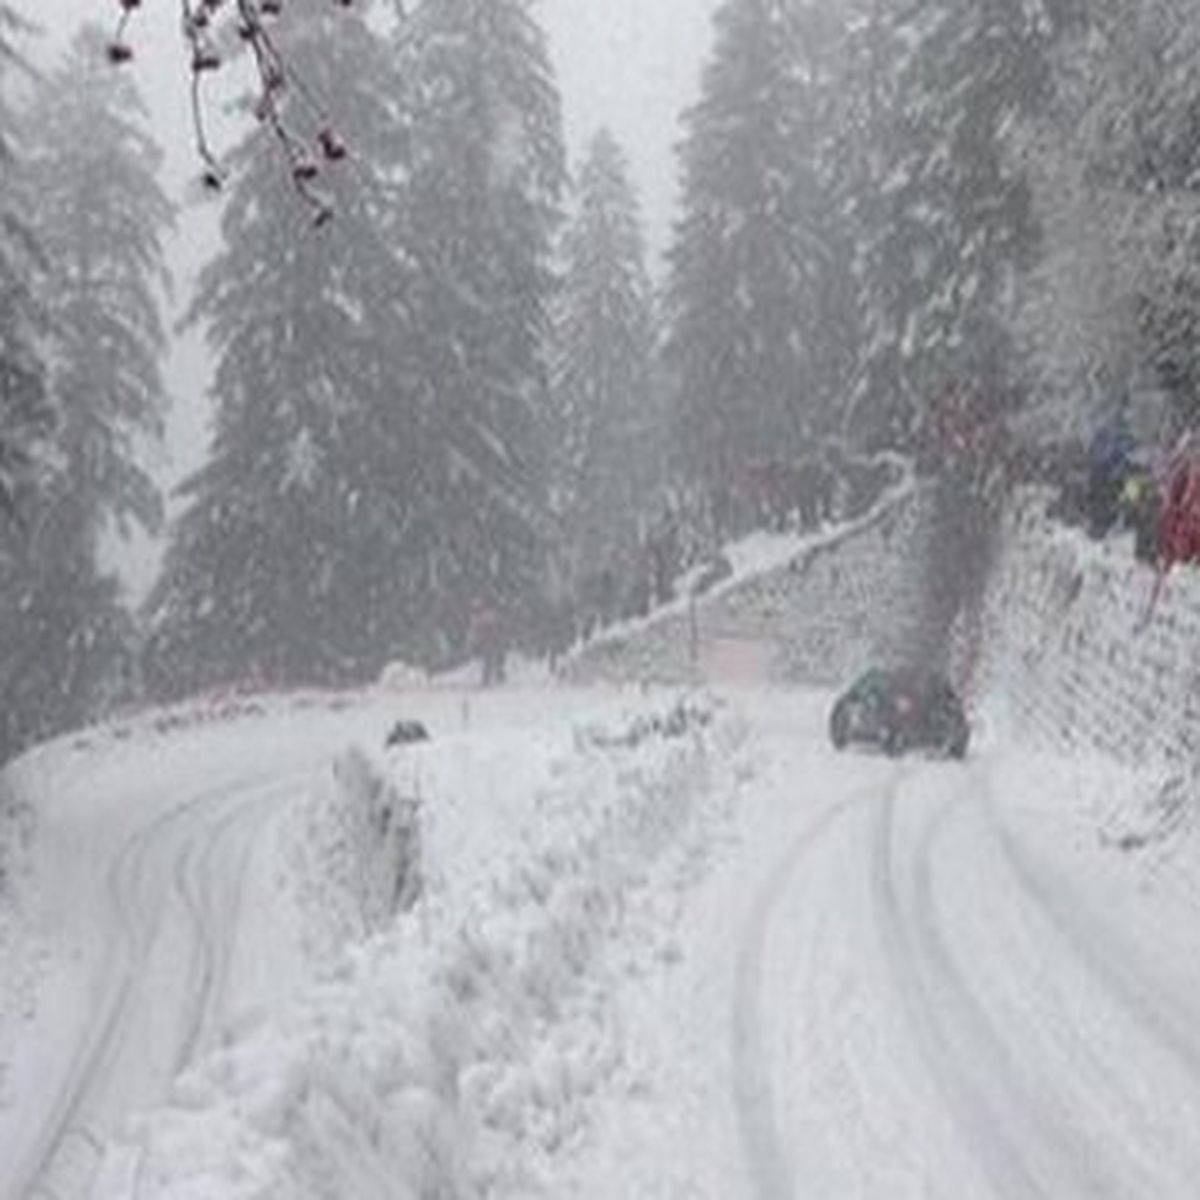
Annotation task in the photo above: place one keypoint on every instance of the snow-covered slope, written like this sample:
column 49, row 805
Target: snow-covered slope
column 1083, row 663
column 812, row 609
column 19, row 944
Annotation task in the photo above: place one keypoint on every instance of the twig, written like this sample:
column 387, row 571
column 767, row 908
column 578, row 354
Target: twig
column 252, row 21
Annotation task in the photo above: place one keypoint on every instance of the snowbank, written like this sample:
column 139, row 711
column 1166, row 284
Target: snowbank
column 353, row 853
column 18, row 946
column 1070, row 650
column 454, row 1052
column 812, row 609
column 1076, row 666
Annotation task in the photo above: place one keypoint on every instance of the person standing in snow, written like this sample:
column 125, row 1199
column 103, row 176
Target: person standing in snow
column 487, row 639
column 1109, row 458
column 1179, row 520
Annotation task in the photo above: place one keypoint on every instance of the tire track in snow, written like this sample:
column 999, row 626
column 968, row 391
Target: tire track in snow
column 138, row 908
column 56, row 1170
column 762, row 1145
column 1066, row 1161
column 1101, row 1100
column 1112, row 960
column 984, row 1118
column 215, row 916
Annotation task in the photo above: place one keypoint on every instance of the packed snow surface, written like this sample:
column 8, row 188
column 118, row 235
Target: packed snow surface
column 593, row 944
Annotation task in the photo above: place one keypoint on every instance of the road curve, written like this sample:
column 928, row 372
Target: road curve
column 921, row 1006
column 172, row 897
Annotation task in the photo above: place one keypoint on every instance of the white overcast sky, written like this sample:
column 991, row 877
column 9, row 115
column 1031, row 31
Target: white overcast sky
column 632, row 65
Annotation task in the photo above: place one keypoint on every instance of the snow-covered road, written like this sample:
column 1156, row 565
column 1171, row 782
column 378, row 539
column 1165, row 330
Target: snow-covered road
column 915, row 980
column 709, row 960
column 173, row 900
column 144, row 891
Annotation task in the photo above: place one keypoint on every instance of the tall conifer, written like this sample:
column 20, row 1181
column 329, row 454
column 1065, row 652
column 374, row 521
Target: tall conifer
column 607, row 438
column 483, row 196
column 758, row 324
column 284, row 566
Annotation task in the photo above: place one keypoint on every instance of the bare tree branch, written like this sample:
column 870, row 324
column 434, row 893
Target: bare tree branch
column 210, row 25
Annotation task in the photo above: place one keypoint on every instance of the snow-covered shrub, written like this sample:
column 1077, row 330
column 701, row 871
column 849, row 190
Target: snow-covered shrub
column 688, row 714
column 357, row 853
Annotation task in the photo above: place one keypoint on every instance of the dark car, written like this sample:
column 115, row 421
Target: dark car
column 406, row 732
column 901, row 710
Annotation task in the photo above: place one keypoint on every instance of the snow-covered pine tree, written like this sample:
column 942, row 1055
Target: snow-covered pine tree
column 943, row 263
column 89, row 173
column 24, row 408
column 487, row 174
column 92, row 172
column 290, row 564
column 833, row 188
column 27, row 459
column 1113, row 305
column 753, row 344
column 607, row 441
column 1145, row 140
column 66, row 640
column 958, row 225
column 872, row 56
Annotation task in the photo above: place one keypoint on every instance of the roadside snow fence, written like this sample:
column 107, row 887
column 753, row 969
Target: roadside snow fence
column 455, row 1053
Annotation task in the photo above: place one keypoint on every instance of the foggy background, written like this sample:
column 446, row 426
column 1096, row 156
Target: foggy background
column 632, row 65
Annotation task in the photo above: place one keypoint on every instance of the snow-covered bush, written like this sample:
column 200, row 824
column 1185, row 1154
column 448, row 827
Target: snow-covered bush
column 687, row 715
column 454, row 1052
column 357, row 852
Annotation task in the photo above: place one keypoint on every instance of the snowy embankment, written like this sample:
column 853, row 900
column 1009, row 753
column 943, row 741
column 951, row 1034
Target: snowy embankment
column 456, row 1049
column 810, row 608
column 19, row 949
column 1079, row 664
column 1102, row 693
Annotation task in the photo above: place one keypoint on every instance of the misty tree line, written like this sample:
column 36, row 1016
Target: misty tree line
column 81, row 338
column 464, row 392
column 896, row 210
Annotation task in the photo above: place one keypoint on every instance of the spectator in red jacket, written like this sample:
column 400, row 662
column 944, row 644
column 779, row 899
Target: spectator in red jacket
column 1179, row 522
